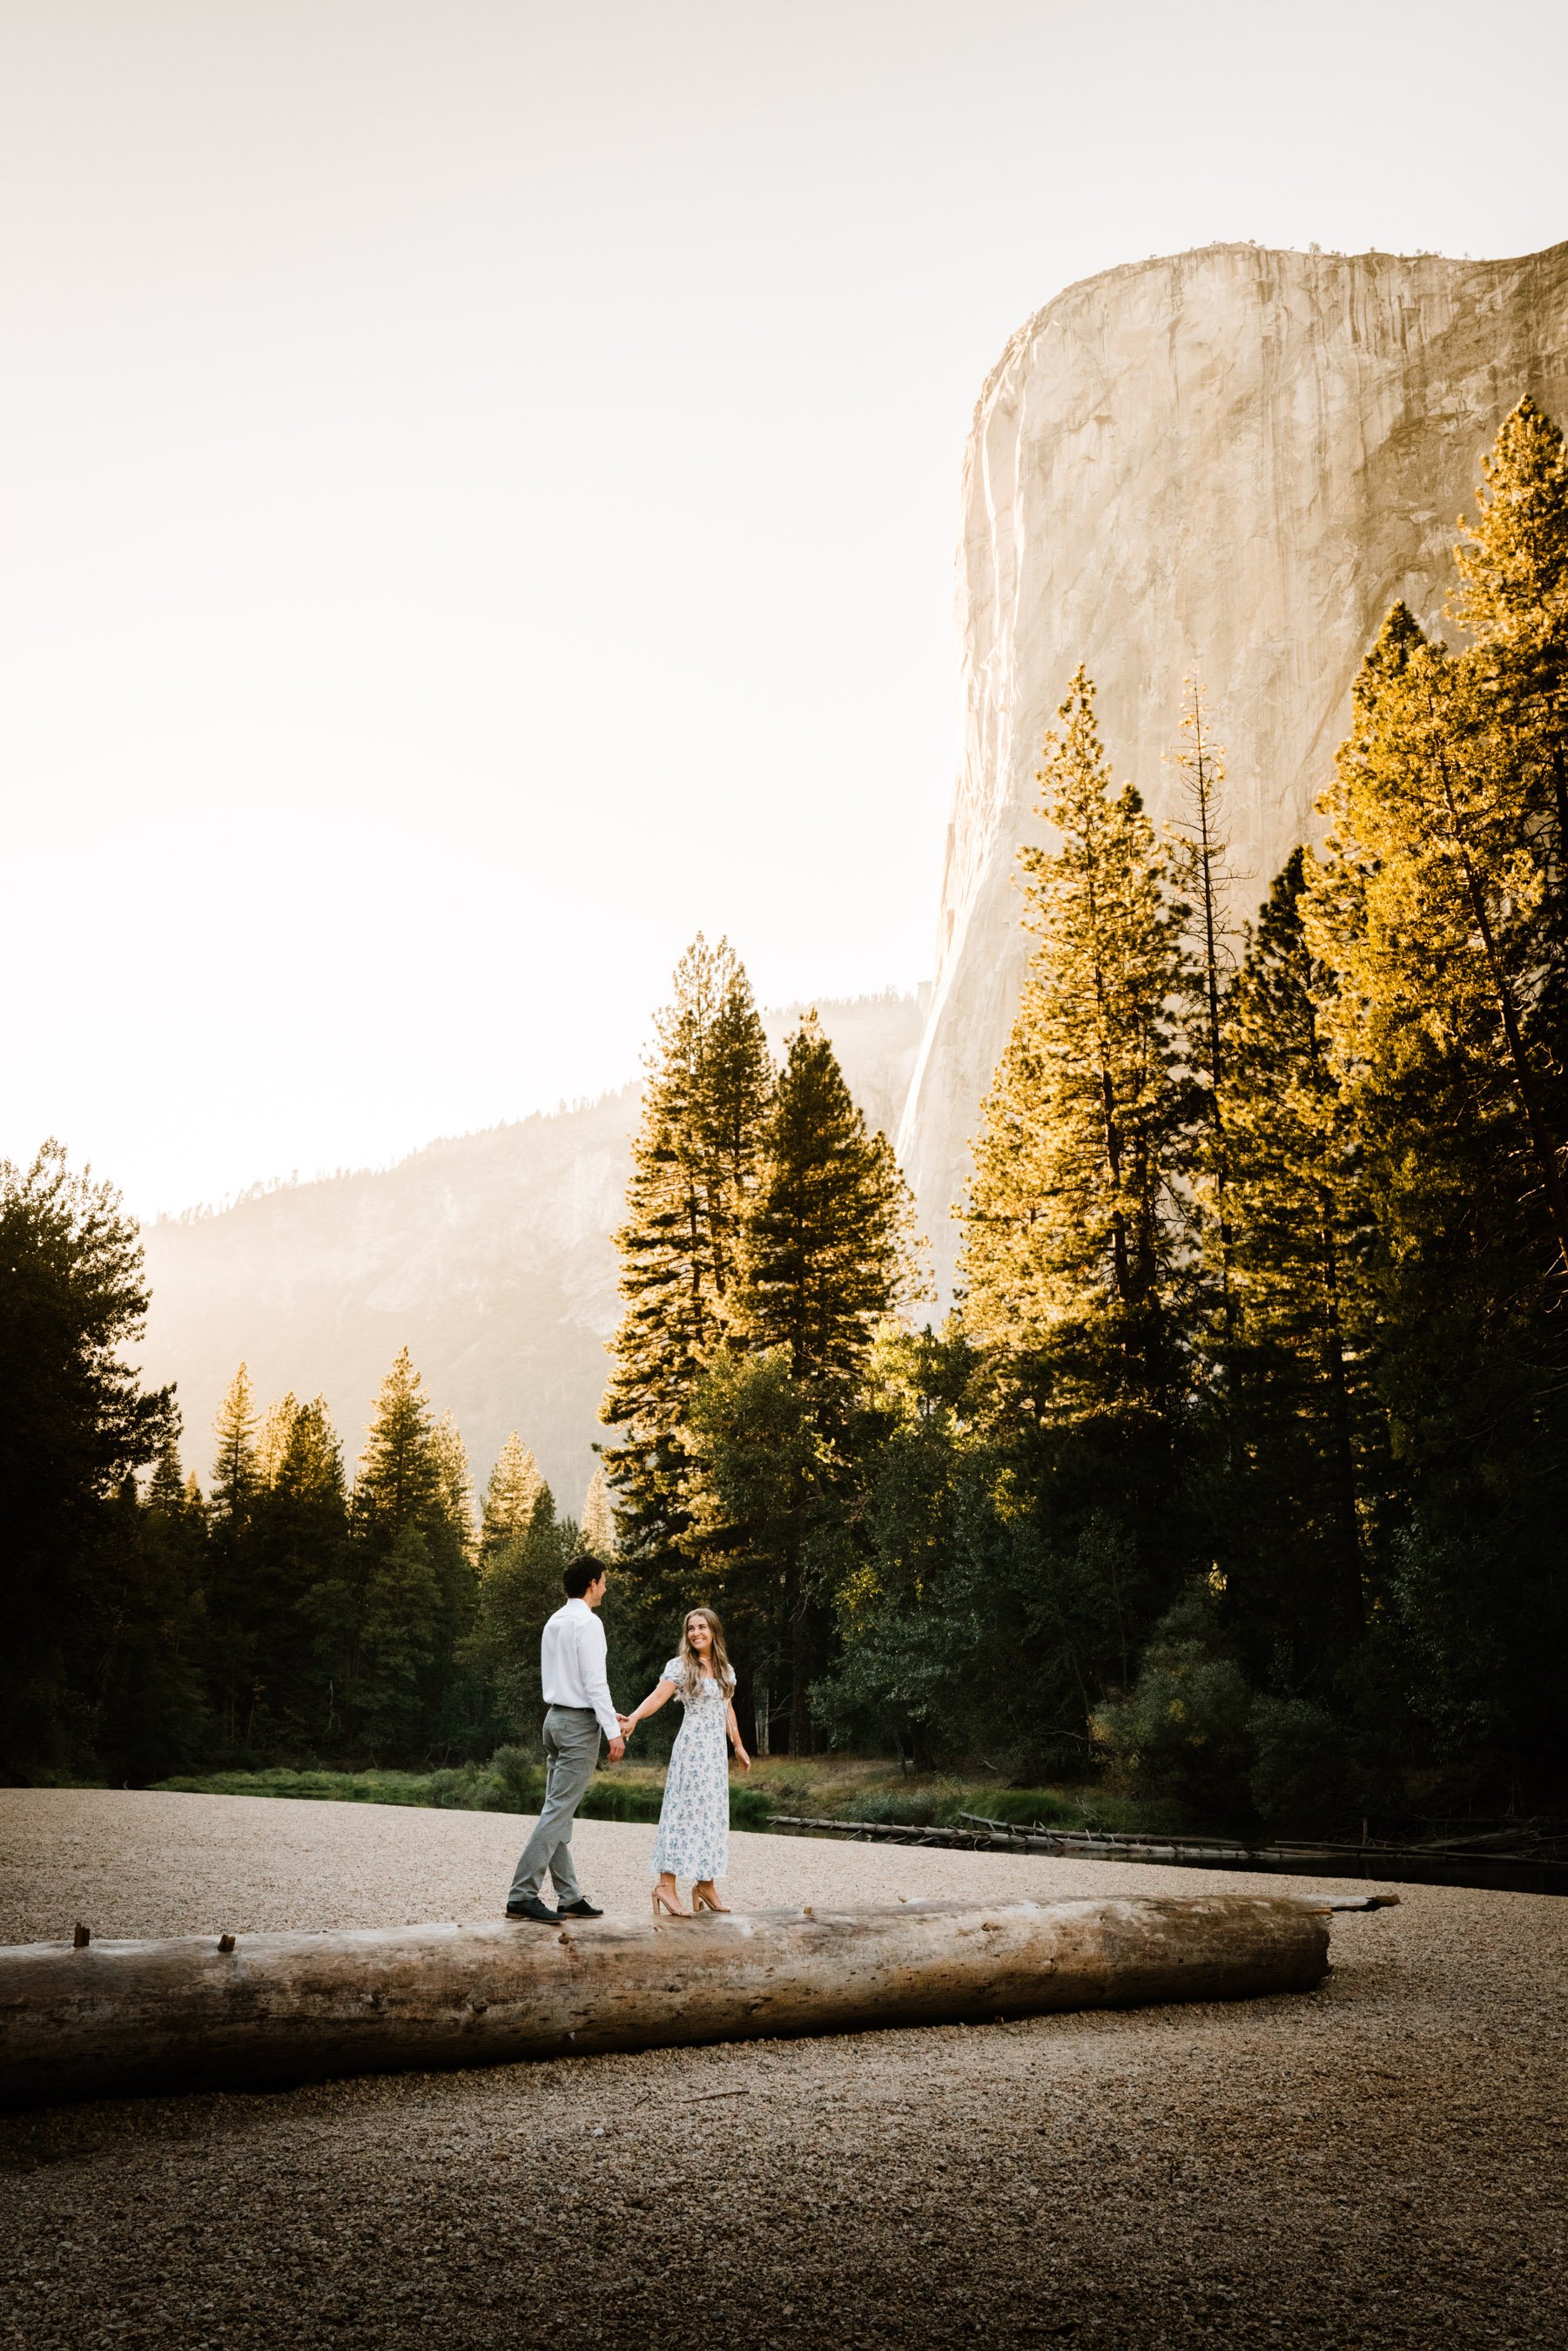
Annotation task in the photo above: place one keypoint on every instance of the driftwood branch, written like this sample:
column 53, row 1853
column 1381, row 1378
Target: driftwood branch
column 140, row 2016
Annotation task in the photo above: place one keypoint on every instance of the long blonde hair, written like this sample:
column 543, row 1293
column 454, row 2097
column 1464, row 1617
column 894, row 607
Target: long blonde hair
column 690, row 1664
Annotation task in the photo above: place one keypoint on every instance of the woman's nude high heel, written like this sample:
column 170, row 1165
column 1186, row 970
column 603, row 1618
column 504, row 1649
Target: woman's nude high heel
column 709, row 1902
column 663, row 1902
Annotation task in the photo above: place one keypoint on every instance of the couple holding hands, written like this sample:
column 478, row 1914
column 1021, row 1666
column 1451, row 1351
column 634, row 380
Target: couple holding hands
column 693, row 1841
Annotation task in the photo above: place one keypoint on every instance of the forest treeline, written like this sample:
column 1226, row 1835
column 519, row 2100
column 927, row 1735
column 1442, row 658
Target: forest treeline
column 1238, row 1470
column 287, row 1613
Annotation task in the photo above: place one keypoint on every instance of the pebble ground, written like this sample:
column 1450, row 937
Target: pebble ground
column 1380, row 2163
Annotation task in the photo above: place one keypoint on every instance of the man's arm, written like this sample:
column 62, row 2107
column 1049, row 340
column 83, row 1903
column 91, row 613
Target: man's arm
column 590, row 1657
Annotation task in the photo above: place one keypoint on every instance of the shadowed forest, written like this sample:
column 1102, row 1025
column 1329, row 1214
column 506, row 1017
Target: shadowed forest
column 1237, row 1475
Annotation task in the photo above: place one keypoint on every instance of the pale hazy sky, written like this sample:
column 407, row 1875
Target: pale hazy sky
column 478, row 486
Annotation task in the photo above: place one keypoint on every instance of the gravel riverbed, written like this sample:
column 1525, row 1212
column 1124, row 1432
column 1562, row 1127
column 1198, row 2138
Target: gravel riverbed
column 1379, row 2163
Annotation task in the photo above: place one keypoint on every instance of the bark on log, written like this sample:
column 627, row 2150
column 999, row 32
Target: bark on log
column 122, row 2017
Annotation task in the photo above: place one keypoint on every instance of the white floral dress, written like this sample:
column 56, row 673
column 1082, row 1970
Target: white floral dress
column 694, row 1820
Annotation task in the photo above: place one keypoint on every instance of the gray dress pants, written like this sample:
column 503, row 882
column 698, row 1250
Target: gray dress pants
column 571, row 1737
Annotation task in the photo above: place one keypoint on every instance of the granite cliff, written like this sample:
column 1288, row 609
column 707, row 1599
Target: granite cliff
column 1233, row 458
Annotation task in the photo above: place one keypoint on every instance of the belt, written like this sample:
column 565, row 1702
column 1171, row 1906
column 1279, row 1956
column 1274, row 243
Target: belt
column 557, row 1706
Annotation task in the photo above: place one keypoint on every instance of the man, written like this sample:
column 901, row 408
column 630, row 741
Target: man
column 578, row 1708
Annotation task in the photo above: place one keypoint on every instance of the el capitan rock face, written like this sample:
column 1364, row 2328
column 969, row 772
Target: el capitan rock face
column 1232, row 458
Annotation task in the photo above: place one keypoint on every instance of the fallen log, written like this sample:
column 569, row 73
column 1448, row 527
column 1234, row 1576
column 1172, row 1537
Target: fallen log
column 116, row 2017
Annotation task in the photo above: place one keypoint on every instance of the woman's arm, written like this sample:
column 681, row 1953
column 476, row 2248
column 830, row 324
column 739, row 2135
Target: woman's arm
column 660, row 1695
column 730, row 1724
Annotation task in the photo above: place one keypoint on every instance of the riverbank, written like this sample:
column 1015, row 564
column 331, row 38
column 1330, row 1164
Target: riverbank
column 1370, row 2165
column 849, row 1788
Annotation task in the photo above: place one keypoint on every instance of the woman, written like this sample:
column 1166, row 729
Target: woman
column 694, row 1820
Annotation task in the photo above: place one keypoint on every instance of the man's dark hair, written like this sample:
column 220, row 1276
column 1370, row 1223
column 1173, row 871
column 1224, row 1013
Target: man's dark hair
column 582, row 1571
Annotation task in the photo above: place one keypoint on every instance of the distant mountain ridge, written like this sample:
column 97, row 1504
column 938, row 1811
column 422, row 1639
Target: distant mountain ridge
column 488, row 1255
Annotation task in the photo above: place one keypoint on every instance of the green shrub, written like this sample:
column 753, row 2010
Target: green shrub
column 317, row 1787
column 751, row 1808
column 891, row 1809
column 619, row 1800
column 1185, row 1731
column 1301, row 1777
column 517, row 1781
column 1030, row 1807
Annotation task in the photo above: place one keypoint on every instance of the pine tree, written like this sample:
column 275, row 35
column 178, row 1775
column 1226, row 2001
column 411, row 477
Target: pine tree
column 232, row 1620
column 1076, row 1222
column 400, row 1480
column 148, row 1704
column 1439, row 908
column 768, row 1503
column 827, row 1251
column 1443, row 961
column 694, row 1166
column 827, row 1254
column 298, row 1552
column 399, row 1637
column 412, row 1483
column 1201, row 879
column 453, row 1546
column 514, row 1491
column 272, row 1437
column 598, row 1518
column 1080, row 1251
column 520, row 1588
column 166, row 1489
column 1290, row 1520
column 236, row 1468
column 1513, row 602
column 455, row 1484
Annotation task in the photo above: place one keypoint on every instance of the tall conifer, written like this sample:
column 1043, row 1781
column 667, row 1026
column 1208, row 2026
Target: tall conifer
column 1513, row 602
column 694, row 1166
column 396, row 1678
column 1291, row 1514
column 520, row 1589
column 515, row 1488
column 297, row 1545
column 598, row 1518
column 827, row 1253
column 1077, row 1226
column 272, row 1437
column 231, row 1617
column 236, row 1468
column 454, row 1485
column 401, row 1479
column 1202, row 878
column 1442, row 963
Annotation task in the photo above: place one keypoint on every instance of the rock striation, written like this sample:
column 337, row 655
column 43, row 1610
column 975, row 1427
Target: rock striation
column 1235, row 459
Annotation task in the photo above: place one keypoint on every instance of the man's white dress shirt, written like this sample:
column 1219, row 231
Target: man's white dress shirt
column 572, row 1664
